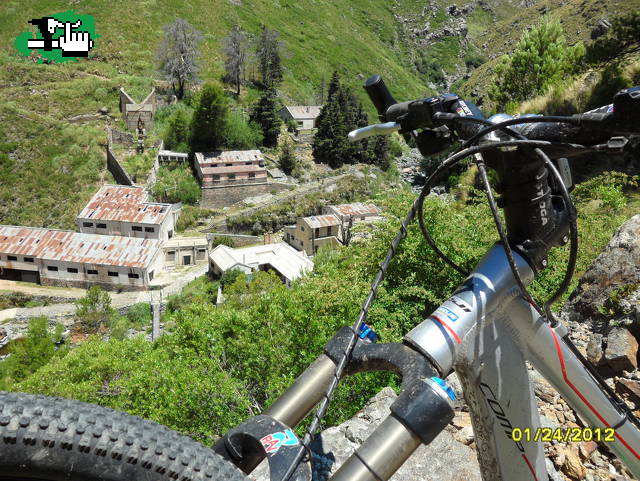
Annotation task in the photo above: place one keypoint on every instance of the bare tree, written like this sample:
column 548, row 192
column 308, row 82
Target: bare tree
column 178, row 54
column 235, row 51
column 268, row 52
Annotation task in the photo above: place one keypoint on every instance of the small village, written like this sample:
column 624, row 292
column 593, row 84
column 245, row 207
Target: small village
column 126, row 242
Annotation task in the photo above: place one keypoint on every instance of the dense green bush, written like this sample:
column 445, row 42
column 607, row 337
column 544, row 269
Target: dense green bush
column 30, row 353
column 176, row 184
column 240, row 134
column 541, row 59
column 177, row 128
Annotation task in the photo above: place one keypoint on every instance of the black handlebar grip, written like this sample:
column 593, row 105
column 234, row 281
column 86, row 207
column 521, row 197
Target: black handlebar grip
column 379, row 95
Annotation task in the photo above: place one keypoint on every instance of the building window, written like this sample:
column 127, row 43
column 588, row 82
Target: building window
column 92, row 272
column 149, row 229
column 28, row 259
column 112, row 274
column 329, row 230
column 215, row 177
column 300, row 123
column 302, row 228
column 72, row 270
column 362, row 218
column 101, row 226
column 171, row 256
column 231, row 177
column 201, row 254
column 12, row 258
column 302, row 243
column 252, row 175
column 52, row 268
column 151, row 275
column 133, row 276
column 136, row 228
column 317, row 231
column 87, row 224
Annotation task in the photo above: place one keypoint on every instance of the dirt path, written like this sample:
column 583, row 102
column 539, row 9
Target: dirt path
column 35, row 290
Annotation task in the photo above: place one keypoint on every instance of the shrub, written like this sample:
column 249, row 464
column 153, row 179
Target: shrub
column 176, row 184
column 541, row 59
column 94, row 309
column 240, row 134
column 177, row 129
column 230, row 277
column 139, row 314
column 223, row 240
column 31, row 352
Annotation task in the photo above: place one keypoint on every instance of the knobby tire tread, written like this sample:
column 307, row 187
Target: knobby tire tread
column 49, row 438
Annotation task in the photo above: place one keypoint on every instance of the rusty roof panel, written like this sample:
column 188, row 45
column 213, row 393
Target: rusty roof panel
column 228, row 156
column 124, row 204
column 316, row 221
column 69, row 246
column 357, row 208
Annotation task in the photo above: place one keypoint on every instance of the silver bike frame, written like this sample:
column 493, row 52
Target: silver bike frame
column 486, row 332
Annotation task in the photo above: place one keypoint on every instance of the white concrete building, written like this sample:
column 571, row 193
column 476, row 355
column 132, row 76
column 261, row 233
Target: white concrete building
column 124, row 211
column 168, row 157
column 185, row 251
column 287, row 262
column 72, row 259
column 303, row 115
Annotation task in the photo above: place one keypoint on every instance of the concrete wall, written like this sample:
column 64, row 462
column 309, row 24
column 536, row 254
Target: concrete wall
column 62, row 277
column 225, row 196
column 119, row 174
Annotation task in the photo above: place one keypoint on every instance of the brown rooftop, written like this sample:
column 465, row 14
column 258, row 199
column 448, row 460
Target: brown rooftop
column 124, row 204
column 316, row 221
column 357, row 208
column 68, row 246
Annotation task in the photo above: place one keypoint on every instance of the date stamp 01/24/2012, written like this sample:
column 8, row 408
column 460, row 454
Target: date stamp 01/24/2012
column 563, row 434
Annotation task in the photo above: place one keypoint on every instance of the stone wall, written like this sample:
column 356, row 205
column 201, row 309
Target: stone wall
column 225, row 196
column 239, row 240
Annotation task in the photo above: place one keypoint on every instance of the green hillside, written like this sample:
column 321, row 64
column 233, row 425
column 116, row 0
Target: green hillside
column 52, row 167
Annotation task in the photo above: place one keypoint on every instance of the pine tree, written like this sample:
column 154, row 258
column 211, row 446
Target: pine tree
column 266, row 114
column 287, row 158
column 268, row 54
column 209, row 119
column 341, row 113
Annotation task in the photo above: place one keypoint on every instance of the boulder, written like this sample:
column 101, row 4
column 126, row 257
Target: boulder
column 618, row 266
column 622, row 350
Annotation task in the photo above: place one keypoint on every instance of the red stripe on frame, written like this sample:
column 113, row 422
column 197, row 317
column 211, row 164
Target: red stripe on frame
column 566, row 379
column 448, row 328
column 526, row 460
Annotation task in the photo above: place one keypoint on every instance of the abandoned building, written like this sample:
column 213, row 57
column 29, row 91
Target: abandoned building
column 72, row 259
column 124, row 211
column 356, row 211
column 185, row 251
column 133, row 112
column 285, row 261
column 169, row 157
column 309, row 234
column 232, row 167
column 304, row 116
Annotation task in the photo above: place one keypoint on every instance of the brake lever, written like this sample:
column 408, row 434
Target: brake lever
column 376, row 129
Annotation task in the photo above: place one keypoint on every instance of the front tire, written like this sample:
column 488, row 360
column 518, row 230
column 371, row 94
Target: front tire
column 57, row 439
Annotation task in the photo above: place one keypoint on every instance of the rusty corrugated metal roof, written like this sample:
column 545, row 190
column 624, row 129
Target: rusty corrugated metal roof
column 228, row 156
column 316, row 221
column 124, row 204
column 69, row 246
column 357, row 208
column 301, row 112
